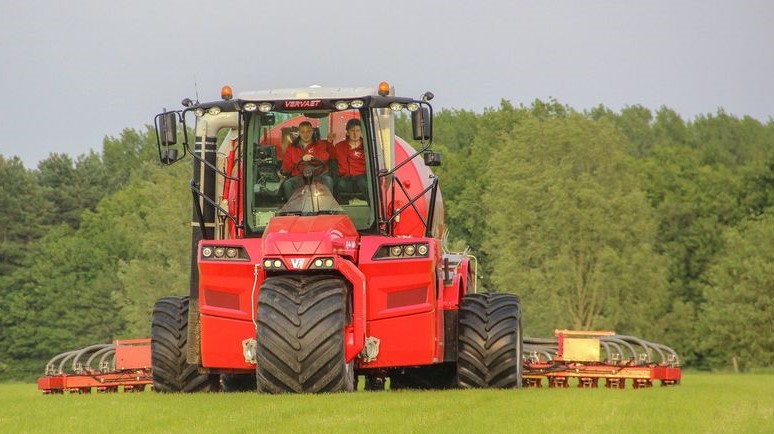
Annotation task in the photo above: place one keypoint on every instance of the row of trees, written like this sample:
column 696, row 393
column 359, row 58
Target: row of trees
column 88, row 246
column 634, row 221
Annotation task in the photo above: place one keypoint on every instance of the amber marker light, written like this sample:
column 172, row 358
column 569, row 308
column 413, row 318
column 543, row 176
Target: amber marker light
column 226, row 93
column 384, row 88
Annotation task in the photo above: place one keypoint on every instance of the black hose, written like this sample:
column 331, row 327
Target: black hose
column 102, row 352
column 50, row 364
column 615, row 339
column 83, row 351
column 617, row 348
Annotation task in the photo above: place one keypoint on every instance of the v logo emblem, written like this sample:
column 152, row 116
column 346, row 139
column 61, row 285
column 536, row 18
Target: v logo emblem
column 297, row 263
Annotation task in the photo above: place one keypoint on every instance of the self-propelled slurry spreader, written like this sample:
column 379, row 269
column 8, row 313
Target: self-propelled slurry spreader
column 315, row 263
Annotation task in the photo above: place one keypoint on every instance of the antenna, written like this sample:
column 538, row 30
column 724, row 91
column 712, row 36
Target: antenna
column 196, row 89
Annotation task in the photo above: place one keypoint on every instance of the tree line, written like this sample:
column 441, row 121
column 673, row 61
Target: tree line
column 635, row 221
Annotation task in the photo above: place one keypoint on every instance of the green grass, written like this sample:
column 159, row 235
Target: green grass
column 703, row 403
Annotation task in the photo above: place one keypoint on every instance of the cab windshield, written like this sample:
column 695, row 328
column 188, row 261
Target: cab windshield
column 310, row 163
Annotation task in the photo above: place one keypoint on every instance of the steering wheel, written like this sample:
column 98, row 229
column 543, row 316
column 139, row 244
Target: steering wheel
column 311, row 168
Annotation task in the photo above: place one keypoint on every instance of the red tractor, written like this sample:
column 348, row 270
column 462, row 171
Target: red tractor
column 300, row 284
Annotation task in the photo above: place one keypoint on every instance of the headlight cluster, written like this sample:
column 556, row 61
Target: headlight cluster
column 227, row 253
column 199, row 112
column 419, row 250
column 322, row 264
column 412, row 106
column 273, row 264
column 343, row 105
column 298, row 264
column 263, row 107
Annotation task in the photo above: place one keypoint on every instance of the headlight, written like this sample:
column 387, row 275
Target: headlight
column 341, row 105
column 396, row 106
column 250, row 107
column 213, row 110
column 224, row 253
column 403, row 251
column 264, row 107
column 322, row 263
column 273, row 264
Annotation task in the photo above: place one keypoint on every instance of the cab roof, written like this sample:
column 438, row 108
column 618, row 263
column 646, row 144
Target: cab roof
column 311, row 92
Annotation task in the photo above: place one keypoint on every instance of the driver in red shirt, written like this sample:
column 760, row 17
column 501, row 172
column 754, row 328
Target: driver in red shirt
column 306, row 149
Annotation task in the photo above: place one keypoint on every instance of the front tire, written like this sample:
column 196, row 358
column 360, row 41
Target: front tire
column 300, row 335
column 169, row 344
column 490, row 341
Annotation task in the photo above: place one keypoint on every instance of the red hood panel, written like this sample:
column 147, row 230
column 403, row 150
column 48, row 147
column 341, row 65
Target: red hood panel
column 312, row 235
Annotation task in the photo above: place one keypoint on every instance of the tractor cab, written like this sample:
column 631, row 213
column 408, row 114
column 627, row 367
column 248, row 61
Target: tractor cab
column 267, row 165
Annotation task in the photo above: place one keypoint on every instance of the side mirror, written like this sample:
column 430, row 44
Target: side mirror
column 168, row 127
column 168, row 156
column 421, row 124
column 432, row 158
column 166, row 137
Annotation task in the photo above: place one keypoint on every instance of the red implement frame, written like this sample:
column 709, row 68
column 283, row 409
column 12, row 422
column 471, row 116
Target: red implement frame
column 123, row 365
column 578, row 355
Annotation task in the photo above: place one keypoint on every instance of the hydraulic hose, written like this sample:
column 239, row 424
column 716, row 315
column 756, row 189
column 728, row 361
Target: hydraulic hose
column 77, row 358
column 107, row 350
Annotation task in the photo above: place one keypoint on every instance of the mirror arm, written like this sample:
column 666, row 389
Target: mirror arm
column 198, row 208
column 207, row 163
column 196, row 192
column 412, row 203
column 414, row 155
column 431, row 207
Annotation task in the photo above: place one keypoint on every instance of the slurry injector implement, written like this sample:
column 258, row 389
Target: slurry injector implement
column 123, row 365
column 590, row 356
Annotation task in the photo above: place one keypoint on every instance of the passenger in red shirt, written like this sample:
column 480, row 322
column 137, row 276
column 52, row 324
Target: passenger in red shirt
column 350, row 155
column 304, row 149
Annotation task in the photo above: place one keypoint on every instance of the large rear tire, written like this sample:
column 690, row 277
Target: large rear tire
column 490, row 341
column 300, row 335
column 169, row 342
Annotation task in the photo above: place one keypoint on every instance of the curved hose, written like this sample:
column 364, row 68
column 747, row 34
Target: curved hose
column 77, row 367
column 111, row 350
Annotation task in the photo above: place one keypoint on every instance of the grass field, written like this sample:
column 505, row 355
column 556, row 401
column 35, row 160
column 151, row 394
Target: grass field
column 703, row 403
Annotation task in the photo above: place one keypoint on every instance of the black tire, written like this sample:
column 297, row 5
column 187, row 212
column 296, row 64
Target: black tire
column 490, row 341
column 300, row 335
column 169, row 344
column 441, row 376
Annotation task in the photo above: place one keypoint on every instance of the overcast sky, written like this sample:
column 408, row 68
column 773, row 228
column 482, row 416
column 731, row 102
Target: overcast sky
column 77, row 71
